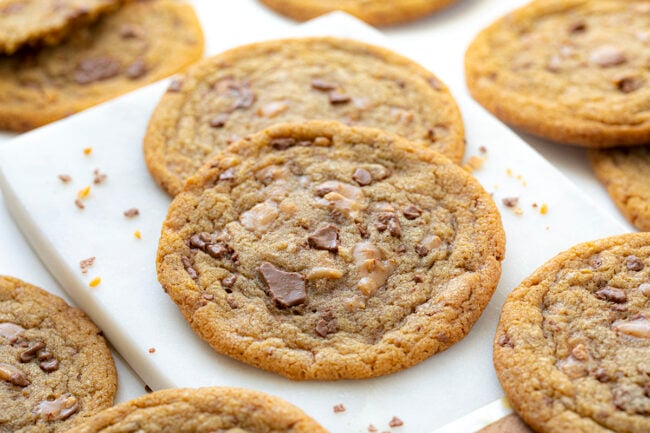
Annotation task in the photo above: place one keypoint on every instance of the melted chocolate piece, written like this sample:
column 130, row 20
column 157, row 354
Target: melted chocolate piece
column 31, row 352
column 612, row 294
column 136, row 69
column 319, row 84
column 362, row 177
column 96, row 69
column 412, row 212
column 325, row 238
column 337, row 97
column 219, row 121
column 287, row 289
column 326, row 324
column 633, row 263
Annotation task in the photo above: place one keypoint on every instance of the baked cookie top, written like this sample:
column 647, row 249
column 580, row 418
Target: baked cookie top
column 319, row 251
column 55, row 367
column 574, row 71
column 572, row 348
column 203, row 410
column 375, row 12
column 625, row 172
column 27, row 22
column 247, row 89
column 140, row 43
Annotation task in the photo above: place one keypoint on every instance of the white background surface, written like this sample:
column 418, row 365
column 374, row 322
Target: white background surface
column 449, row 384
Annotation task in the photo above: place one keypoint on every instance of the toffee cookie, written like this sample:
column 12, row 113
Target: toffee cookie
column 319, row 251
column 573, row 71
column 55, row 367
column 375, row 12
column 625, row 172
column 140, row 43
column 27, row 22
column 572, row 348
column 203, row 410
column 245, row 90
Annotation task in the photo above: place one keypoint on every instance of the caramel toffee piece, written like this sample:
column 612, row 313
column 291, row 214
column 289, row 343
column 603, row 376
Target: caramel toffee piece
column 55, row 368
column 140, row 43
column 375, row 12
column 203, row 410
column 247, row 89
column 574, row 71
column 572, row 348
column 314, row 266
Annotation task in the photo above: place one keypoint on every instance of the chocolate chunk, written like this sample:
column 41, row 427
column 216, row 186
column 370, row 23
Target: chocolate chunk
column 287, row 289
column 629, row 84
column 245, row 99
column 504, row 341
column 219, row 120
column 31, row 351
column 326, row 324
column 283, row 143
column 11, row 374
column 395, row 422
column 319, row 84
column 175, row 86
column 412, row 212
column 65, row 178
column 338, row 408
column 612, row 294
column 510, row 201
column 325, row 238
column 229, row 281
column 336, row 97
column 362, row 177
column 362, row 230
column 633, row 263
column 217, row 251
column 96, row 69
column 136, row 69
column 49, row 365
column 390, row 221
column 601, row 375
column 187, row 264
column 131, row 213
column 577, row 27
column 227, row 175
column 128, row 31
column 196, row 241
column 422, row 250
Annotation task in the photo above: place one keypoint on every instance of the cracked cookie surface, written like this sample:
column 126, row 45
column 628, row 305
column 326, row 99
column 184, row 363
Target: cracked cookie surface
column 55, row 368
column 319, row 251
column 28, row 22
column 625, row 172
column 572, row 71
column 140, row 43
column 572, row 348
column 244, row 90
column 203, row 410
column 375, row 12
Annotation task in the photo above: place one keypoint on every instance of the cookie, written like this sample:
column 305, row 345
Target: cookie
column 203, row 410
column 572, row 348
column 573, row 71
column 509, row 424
column 29, row 22
column 319, row 251
column 140, row 43
column 375, row 12
column 55, row 367
column 625, row 172
column 247, row 89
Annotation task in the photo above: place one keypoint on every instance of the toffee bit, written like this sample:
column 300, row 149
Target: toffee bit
column 95, row 282
column 88, row 151
column 137, row 234
column 79, row 204
column 83, row 193
column 339, row 408
column 395, row 422
column 86, row 263
column 65, row 178
column 543, row 209
column 130, row 213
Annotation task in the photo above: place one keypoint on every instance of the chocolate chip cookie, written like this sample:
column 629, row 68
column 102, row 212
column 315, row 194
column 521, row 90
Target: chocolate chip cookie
column 140, row 43
column 572, row 348
column 203, row 410
column 375, row 12
column 319, row 251
column 625, row 172
column 245, row 90
column 55, row 367
column 573, row 71
column 28, row 22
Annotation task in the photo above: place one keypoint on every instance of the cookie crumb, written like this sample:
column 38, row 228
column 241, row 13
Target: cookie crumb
column 65, row 178
column 474, row 163
column 86, row 263
column 510, row 202
column 518, row 211
column 339, row 408
column 99, row 177
column 95, row 282
column 131, row 213
column 83, row 193
column 148, row 389
column 482, row 149
column 395, row 422
column 79, row 204
column 137, row 234
column 372, row 428
column 152, row 350
column 88, row 151
column 543, row 209
column 509, row 172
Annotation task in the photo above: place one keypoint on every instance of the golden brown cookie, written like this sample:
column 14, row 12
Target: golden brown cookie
column 573, row 71
column 375, row 12
column 245, row 90
column 572, row 348
column 625, row 172
column 319, row 251
column 30, row 22
column 55, row 367
column 140, row 43
column 203, row 410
